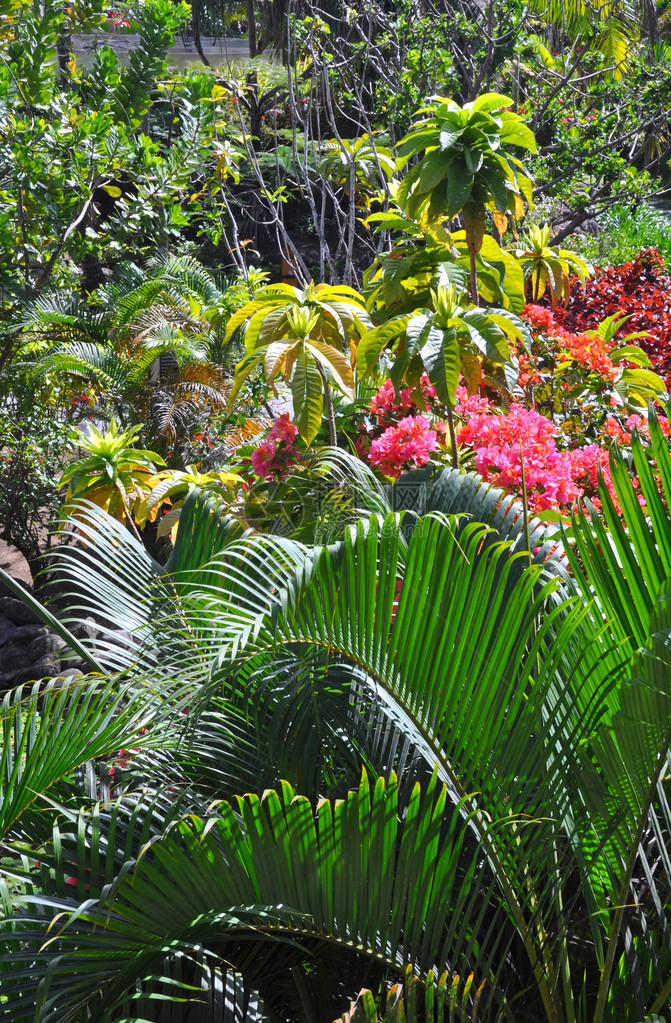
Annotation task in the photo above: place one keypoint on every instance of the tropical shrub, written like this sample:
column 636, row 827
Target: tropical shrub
column 547, row 267
column 515, row 751
column 301, row 335
column 34, row 449
column 114, row 475
column 638, row 289
column 578, row 378
column 469, row 165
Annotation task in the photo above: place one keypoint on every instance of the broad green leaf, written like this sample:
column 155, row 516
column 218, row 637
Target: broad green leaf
column 489, row 101
column 307, row 394
column 459, row 185
column 441, row 358
column 432, row 169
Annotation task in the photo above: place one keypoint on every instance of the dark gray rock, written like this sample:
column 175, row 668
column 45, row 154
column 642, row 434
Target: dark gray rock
column 43, row 645
column 13, row 657
column 75, row 666
column 46, row 667
column 6, row 629
column 18, row 612
column 25, row 634
column 122, row 638
column 6, row 592
column 87, row 629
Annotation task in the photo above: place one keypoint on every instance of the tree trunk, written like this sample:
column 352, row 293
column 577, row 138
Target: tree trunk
column 251, row 27
column 195, row 20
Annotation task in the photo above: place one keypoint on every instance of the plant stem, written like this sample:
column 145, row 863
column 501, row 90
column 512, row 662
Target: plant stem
column 330, row 414
column 453, row 439
column 475, row 298
column 525, row 504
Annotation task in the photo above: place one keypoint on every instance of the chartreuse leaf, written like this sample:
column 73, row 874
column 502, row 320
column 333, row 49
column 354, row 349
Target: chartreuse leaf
column 336, row 363
column 375, row 341
column 489, row 101
column 243, row 369
column 516, row 133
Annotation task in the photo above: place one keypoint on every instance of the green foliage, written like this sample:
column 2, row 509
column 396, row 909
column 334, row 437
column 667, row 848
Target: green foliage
column 158, row 21
column 625, row 231
column 34, row 448
column 114, row 474
column 323, row 661
column 461, row 147
column 547, row 266
column 299, row 334
column 108, row 352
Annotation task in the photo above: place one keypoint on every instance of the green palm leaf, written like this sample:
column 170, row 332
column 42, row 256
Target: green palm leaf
column 47, row 733
column 346, row 872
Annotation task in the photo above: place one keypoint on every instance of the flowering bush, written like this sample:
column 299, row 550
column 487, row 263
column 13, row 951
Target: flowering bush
column 389, row 410
column 401, row 437
column 581, row 380
column 640, row 289
column 508, row 444
column 403, row 447
column 589, row 351
column 277, row 453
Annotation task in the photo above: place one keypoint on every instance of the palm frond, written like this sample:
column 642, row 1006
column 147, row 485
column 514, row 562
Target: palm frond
column 623, row 556
column 256, row 870
column 49, row 731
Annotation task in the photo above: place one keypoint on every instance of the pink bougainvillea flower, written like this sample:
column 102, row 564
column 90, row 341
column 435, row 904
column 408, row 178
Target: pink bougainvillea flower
column 262, row 458
column 404, row 446
column 388, row 409
column 277, row 453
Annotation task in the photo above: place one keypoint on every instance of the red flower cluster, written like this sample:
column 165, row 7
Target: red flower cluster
column 404, row 446
column 586, row 348
column 640, row 288
column 277, row 453
column 388, row 410
column 117, row 19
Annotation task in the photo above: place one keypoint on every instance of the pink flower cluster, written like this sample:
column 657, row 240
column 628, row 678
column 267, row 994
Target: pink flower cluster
column 502, row 442
column 404, row 446
column 277, row 453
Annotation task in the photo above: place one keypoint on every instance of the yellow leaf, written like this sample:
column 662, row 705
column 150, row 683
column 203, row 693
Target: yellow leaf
column 501, row 221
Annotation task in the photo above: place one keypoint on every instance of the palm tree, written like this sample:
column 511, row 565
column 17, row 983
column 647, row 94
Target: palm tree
column 507, row 839
column 174, row 312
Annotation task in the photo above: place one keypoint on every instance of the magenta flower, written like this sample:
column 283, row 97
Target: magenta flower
column 404, row 446
column 277, row 453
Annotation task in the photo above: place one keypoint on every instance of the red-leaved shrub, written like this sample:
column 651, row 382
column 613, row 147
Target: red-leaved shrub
column 640, row 288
